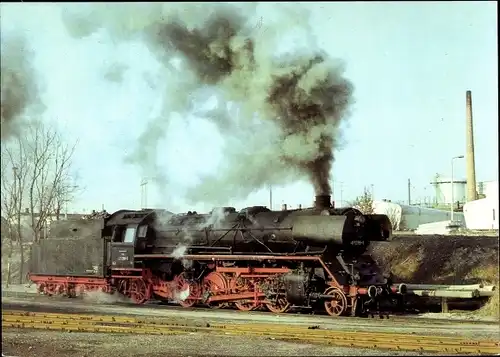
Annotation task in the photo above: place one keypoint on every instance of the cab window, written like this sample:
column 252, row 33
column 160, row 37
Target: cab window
column 142, row 231
column 129, row 235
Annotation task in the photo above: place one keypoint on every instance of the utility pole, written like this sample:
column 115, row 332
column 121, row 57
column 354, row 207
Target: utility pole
column 271, row 197
column 409, row 192
column 144, row 193
column 341, row 192
column 452, row 208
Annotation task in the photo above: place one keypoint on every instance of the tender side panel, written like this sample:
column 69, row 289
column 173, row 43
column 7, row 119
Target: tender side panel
column 76, row 257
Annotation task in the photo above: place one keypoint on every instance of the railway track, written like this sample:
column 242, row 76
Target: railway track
column 62, row 305
column 311, row 334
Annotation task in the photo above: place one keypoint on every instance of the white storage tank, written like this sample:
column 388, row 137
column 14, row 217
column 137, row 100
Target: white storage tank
column 443, row 188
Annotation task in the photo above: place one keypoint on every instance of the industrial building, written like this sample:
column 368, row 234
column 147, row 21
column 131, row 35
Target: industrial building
column 478, row 214
column 483, row 213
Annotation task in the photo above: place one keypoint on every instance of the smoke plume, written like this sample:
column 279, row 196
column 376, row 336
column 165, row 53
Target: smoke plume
column 18, row 85
column 278, row 113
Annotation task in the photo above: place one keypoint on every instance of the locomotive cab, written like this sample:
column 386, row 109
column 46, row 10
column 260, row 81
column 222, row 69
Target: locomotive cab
column 122, row 246
column 127, row 233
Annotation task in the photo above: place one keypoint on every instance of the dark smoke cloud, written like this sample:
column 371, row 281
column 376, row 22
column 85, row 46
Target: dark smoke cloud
column 19, row 88
column 289, row 106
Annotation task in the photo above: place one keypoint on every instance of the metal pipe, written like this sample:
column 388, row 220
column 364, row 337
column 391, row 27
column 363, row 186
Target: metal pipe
column 399, row 288
column 459, row 294
column 449, row 287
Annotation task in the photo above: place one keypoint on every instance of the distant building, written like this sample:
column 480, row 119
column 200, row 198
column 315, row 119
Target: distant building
column 483, row 213
column 404, row 217
column 27, row 232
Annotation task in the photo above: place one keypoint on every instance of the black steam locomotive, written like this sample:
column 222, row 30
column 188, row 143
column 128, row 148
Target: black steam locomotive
column 253, row 258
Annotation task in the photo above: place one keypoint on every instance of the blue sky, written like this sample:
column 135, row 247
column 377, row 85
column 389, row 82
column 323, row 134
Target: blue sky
column 411, row 64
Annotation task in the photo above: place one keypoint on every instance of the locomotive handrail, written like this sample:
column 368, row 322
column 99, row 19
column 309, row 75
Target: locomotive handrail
column 225, row 229
column 228, row 257
column 309, row 253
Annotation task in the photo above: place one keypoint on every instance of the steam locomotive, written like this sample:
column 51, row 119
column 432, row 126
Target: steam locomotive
column 311, row 258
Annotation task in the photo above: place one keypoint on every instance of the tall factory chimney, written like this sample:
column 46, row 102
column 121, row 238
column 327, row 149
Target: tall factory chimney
column 469, row 154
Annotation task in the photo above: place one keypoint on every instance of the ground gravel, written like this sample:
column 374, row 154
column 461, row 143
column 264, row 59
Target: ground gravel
column 31, row 343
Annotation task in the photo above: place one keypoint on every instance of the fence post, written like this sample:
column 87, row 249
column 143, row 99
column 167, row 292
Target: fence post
column 8, row 274
column 444, row 305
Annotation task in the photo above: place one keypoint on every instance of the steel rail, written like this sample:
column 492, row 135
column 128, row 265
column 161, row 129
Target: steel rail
column 162, row 326
column 65, row 305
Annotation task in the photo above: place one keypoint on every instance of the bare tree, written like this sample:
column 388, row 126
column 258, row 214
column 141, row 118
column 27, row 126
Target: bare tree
column 14, row 175
column 50, row 171
column 395, row 218
column 40, row 163
column 364, row 202
column 64, row 194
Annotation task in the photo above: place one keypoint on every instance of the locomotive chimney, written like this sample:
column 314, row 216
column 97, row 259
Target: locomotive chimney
column 322, row 202
column 469, row 154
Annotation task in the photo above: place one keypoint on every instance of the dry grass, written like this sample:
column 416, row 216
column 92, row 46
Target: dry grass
column 405, row 269
column 489, row 275
column 492, row 307
column 439, row 260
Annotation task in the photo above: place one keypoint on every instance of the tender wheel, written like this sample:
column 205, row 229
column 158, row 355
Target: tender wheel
column 337, row 305
column 138, row 291
column 50, row 289
column 215, row 283
column 279, row 305
column 71, row 291
column 184, row 287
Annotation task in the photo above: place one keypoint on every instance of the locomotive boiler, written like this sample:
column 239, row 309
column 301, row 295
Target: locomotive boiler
column 260, row 230
column 307, row 258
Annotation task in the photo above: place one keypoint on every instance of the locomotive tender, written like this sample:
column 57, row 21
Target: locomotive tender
column 308, row 258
